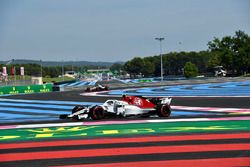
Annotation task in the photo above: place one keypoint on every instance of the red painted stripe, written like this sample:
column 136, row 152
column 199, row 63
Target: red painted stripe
column 223, row 162
column 120, row 151
column 125, row 140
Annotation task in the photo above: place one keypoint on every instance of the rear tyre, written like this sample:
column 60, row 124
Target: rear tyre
column 97, row 113
column 163, row 110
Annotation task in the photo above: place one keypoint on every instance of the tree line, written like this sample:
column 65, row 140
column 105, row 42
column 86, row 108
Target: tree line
column 231, row 52
column 173, row 63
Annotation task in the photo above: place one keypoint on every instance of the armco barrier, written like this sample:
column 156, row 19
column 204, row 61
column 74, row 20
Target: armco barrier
column 25, row 89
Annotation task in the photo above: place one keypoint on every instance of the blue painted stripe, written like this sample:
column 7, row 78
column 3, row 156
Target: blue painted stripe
column 213, row 89
column 41, row 107
column 28, row 110
column 35, row 105
column 63, row 85
column 74, row 83
column 79, row 83
column 83, row 83
column 16, row 115
column 30, row 119
column 92, row 83
column 49, row 102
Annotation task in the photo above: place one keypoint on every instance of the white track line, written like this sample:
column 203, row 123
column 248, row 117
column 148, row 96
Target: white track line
column 121, row 122
column 231, row 110
column 108, row 95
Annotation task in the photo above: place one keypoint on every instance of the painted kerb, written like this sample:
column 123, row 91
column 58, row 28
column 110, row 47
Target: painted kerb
column 123, row 130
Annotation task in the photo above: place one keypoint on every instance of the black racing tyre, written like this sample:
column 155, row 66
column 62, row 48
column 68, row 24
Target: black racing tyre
column 63, row 116
column 163, row 110
column 88, row 89
column 77, row 108
column 97, row 113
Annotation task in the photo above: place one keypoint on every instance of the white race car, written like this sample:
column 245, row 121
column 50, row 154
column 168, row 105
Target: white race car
column 128, row 106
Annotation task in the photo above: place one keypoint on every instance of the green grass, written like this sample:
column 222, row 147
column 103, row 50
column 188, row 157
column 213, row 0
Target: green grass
column 45, row 79
column 247, row 75
column 57, row 79
column 19, row 77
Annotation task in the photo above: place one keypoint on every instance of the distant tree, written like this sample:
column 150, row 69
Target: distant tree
column 134, row 66
column 241, row 48
column 116, row 68
column 148, row 68
column 190, row 70
column 215, row 60
column 232, row 52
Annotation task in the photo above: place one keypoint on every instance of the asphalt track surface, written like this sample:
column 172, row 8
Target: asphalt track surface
column 238, row 102
column 117, row 143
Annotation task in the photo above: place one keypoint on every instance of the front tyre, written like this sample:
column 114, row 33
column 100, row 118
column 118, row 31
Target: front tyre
column 97, row 113
column 63, row 116
column 163, row 110
column 77, row 108
column 88, row 89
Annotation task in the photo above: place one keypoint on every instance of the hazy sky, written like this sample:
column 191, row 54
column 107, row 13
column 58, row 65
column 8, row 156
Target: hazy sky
column 114, row 30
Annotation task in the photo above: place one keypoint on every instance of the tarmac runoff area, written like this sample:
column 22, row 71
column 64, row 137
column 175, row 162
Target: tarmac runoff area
column 202, row 131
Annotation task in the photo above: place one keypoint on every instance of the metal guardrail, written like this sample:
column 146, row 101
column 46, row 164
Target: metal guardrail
column 15, row 83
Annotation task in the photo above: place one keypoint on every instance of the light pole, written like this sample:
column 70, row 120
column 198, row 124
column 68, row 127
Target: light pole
column 161, row 39
column 41, row 68
column 63, row 70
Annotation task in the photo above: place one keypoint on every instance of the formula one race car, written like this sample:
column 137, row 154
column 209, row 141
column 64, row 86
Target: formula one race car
column 128, row 106
column 96, row 88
